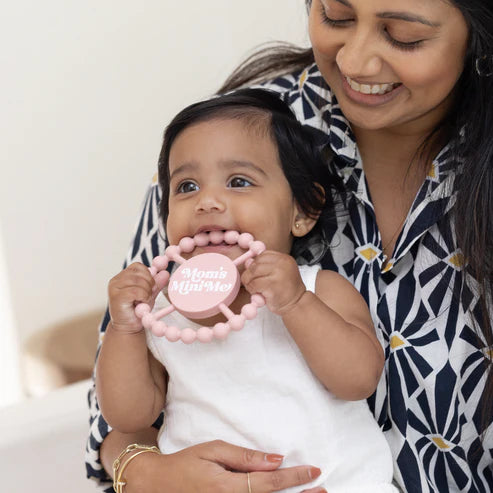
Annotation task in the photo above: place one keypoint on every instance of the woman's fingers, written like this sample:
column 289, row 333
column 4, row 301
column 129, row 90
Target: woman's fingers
column 280, row 479
column 239, row 458
column 266, row 477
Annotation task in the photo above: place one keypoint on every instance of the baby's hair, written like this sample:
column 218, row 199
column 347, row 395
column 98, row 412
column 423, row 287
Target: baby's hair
column 311, row 177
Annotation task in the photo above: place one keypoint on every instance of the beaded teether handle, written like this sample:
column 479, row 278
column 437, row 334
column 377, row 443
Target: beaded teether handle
column 227, row 291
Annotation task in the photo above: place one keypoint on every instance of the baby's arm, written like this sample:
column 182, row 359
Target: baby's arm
column 130, row 382
column 332, row 327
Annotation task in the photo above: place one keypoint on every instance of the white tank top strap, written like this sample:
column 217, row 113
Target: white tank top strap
column 309, row 275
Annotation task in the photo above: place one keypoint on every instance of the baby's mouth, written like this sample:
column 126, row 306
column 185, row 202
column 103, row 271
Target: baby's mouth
column 212, row 237
column 371, row 88
column 215, row 236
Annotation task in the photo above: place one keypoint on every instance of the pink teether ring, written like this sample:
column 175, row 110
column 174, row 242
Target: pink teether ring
column 203, row 286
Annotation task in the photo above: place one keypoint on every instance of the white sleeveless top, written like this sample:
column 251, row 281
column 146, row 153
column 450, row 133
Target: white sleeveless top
column 255, row 389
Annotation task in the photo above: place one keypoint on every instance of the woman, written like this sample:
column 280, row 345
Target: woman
column 400, row 90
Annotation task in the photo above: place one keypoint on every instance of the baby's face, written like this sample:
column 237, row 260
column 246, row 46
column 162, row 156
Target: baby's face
column 224, row 176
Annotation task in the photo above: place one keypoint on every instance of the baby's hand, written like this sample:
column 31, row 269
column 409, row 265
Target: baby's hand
column 275, row 276
column 126, row 290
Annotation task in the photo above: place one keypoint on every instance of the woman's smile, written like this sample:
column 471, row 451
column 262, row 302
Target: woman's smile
column 370, row 94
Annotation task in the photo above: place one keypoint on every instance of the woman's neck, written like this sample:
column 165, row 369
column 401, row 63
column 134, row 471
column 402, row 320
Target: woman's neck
column 396, row 158
column 395, row 166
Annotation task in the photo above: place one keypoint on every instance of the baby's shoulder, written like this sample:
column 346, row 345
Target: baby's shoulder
column 332, row 283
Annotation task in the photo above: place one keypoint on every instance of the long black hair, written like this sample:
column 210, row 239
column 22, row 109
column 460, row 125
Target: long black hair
column 468, row 128
column 313, row 182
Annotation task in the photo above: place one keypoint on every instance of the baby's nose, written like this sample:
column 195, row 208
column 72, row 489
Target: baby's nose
column 210, row 202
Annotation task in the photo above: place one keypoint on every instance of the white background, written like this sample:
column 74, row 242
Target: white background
column 86, row 89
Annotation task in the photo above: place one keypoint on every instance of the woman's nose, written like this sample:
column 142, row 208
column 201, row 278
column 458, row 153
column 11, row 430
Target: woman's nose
column 358, row 57
column 210, row 201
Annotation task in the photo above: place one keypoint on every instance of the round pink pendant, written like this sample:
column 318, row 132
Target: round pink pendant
column 202, row 283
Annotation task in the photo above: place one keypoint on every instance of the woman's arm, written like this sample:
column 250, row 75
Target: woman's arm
column 332, row 327
column 210, row 467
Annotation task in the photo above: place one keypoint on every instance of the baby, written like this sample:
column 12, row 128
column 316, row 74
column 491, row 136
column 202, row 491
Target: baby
column 294, row 380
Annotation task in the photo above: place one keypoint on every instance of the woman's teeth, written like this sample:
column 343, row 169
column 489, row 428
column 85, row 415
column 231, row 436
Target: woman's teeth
column 371, row 88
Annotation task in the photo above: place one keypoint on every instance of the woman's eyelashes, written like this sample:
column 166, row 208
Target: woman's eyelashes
column 403, row 45
column 333, row 22
column 395, row 43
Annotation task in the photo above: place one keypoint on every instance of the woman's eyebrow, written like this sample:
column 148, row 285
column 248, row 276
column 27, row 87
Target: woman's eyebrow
column 345, row 2
column 404, row 16
column 401, row 16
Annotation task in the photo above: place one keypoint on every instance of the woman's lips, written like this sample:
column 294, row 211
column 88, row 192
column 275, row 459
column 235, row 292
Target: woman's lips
column 366, row 94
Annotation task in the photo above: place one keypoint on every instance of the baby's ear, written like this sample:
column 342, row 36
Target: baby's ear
column 303, row 223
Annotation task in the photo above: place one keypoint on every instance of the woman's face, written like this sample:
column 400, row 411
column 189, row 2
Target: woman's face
column 392, row 64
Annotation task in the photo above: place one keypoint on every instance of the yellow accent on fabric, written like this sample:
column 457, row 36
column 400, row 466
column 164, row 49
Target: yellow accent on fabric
column 432, row 174
column 368, row 253
column 457, row 260
column 440, row 443
column 387, row 267
column 395, row 342
column 302, row 79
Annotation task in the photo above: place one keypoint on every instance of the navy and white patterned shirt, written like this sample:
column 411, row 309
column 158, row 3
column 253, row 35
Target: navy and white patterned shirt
column 427, row 401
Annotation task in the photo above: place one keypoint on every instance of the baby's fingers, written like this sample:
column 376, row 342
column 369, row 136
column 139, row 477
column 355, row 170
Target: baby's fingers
column 134, row 275
column 160, row 279
column 130, row 287
column 255, row 270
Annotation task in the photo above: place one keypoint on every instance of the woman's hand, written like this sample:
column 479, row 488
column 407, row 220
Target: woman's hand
column 276, row 277
column 214, row 467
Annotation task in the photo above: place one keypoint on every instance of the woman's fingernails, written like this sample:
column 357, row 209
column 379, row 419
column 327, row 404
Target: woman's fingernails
column 315, row 472
column 274, row 458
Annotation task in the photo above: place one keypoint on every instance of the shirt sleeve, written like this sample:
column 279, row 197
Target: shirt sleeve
column 148, row 242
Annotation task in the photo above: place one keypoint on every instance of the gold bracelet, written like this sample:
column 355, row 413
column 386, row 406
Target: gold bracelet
column 118, row 484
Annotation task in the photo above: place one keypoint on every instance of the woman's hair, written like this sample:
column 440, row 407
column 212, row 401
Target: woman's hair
column 313, row 182
column 468, row 128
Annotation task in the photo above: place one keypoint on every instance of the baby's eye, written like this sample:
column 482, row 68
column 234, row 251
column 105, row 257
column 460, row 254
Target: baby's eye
column 239, row 182
column 187, row 187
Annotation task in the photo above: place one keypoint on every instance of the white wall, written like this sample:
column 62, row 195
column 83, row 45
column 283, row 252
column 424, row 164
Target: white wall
column 86, row 90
